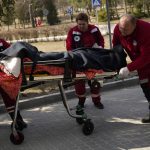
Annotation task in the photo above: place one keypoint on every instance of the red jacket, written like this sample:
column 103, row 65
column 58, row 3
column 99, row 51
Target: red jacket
column 3, row 44
column 76, row 38
column 137, row 46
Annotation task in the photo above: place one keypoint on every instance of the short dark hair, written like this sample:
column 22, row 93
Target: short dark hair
column 82, row 16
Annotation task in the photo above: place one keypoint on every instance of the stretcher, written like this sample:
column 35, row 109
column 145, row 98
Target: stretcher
column 65, row 79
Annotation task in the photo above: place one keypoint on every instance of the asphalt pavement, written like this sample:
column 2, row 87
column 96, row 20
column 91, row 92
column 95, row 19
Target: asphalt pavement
column 117, row 127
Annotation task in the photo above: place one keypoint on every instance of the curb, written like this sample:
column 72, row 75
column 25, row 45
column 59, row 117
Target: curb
column 56, row 97
column 114, row 85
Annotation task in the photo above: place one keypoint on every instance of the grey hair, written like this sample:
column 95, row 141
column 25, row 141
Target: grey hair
column 129, row 18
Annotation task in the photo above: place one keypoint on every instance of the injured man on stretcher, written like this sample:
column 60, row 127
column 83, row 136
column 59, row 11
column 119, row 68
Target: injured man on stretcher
column 79, row 60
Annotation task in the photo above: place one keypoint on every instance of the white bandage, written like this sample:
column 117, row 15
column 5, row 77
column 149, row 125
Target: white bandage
column 124, row 72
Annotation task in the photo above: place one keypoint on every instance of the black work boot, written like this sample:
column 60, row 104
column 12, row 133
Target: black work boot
column 97, row 102
column 20, row 124
column 147, row 120
column 99, row 105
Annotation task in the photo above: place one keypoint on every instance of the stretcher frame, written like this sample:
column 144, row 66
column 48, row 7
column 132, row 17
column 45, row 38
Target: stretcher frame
column 64, row 81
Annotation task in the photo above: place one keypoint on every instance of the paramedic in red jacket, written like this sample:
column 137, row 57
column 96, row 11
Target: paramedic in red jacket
column 9, row 102
column 85, row 35
column 134, row 36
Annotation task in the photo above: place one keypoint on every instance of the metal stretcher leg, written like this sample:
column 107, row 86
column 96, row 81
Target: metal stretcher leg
column 16, row 137
column 88, row 126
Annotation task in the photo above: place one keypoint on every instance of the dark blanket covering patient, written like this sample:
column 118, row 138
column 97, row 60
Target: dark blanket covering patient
column 80, row 59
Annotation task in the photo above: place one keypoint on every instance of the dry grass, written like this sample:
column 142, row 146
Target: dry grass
column 50, row 46
column 59, row 45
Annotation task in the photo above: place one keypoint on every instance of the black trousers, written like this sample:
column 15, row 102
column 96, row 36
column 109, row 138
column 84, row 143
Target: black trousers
column 146, row 91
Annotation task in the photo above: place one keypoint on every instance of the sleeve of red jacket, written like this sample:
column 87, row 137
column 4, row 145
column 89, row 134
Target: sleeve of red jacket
column 69, row 44
column 5, row 44
column 100, row 38
column 116, row 40
column 143, row 59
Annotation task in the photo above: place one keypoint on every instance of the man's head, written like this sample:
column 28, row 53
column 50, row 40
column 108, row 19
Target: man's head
column 82, row 22
column 127, row 24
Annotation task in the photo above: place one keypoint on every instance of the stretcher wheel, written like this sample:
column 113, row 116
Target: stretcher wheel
column 88, row 127
column 146, row 120
column 17, row 139
column 79, row 120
